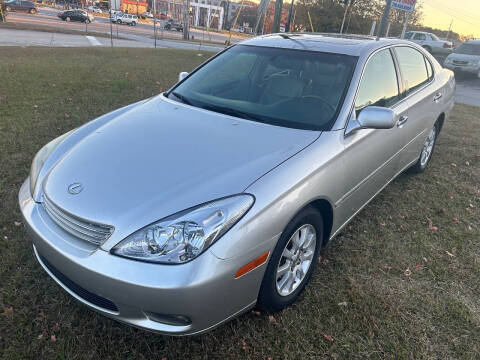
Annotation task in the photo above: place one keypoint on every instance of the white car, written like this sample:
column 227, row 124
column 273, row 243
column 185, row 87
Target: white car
column 95, row 9
column 465, row 58
column 127, row 19
column 147, row 15
column 430, row 42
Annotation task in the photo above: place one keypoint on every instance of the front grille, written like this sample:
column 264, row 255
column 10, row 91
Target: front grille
column 80, row 228
column 78, row 290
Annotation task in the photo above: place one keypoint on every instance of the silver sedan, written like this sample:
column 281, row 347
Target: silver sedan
column 179, row 212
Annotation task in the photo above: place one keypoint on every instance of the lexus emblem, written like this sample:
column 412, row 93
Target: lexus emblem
column 75, row 188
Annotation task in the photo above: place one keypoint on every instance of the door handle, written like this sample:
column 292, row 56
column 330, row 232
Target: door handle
column 402, row 121
column 437, row 97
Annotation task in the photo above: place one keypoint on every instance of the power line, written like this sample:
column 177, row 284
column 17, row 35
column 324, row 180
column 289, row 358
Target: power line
column 451, row 15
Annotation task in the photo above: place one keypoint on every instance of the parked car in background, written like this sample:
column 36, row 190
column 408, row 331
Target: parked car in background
column 465, row 58
column 127, row 19
column 173, row 25
column 95, row 9
column 430, row 42
column 240, row 173
column 20, row 5
column 146, row 15
column 76, row 15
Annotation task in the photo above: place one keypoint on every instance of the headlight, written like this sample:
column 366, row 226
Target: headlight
column 182, row 237
column 41, row 157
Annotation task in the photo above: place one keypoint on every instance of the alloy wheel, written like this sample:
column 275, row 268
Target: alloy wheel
column 297, row 256
column 428, row 147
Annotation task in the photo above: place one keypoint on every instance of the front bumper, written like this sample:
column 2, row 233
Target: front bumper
column 203, row 290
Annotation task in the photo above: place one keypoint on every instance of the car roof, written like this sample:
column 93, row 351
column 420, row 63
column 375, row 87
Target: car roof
column 354, row 45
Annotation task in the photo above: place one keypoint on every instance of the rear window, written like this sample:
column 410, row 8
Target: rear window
column 413, row 67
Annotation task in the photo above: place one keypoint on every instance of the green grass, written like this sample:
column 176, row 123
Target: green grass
column 428, row 224
column 54, row 29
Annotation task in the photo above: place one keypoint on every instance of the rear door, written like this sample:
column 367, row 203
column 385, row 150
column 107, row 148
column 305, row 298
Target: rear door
column 425, row 100
column 371, row 155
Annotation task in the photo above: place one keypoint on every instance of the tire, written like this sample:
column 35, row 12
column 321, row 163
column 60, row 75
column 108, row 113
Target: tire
column 134, row 23
column 428, row 48
column 32, row 11
column 8, row 8
column 87, row 21
column 67, row 18
column 422, row 163
column 119, row 22
column 279, row 291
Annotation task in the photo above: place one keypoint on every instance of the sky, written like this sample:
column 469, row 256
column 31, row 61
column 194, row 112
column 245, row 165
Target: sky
column 465, row 14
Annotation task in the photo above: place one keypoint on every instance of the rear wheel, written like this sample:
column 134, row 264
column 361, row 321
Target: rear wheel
column 33, row 11
column 8, row 8
column 292, row 262
column 427, row 151
column 134, row 23
column 119, row 22
column 67, row 18
column 87, row 21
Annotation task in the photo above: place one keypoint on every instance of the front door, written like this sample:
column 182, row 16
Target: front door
column 371, row 156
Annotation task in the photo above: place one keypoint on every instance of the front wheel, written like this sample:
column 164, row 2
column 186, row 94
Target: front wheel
column 67, row 18
column 119, row 22
column 87, row 21
column 292, row 262
column 33, row 11
column 427, row 151
column 134, row 23
column 8, row 8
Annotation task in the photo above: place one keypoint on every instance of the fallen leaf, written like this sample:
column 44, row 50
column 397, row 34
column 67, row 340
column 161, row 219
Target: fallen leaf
column 39, row 337
column 449, row 254
column 7, row 311
column 441, row 211
column 383, row 223
column 327, row 337
column 272, row 319
column 407, row 272
column 453, row 164
column 425, row 259
column 434, row 228
column 56, row 327
column 67, row 115
column 255, row 312
column 467, row 163
column 53, row 338
column 17, row 223
column 344, row 303
column 244, row 345
column 455, row 219
column 419, row 266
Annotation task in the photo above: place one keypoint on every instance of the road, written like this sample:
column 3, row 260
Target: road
column 48, row 16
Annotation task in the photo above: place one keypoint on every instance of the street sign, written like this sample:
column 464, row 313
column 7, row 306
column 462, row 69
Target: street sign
column 405, row 5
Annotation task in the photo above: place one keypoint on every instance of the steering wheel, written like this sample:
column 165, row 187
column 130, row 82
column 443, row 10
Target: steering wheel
column 324, row 101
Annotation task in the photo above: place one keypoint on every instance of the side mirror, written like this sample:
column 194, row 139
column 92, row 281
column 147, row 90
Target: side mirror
column 372, row 117
column 182, row 75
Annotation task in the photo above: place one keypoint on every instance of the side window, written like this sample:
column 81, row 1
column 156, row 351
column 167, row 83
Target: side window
column 419, row 36
column 408, row 35
column 412, row 65
column 379, row 84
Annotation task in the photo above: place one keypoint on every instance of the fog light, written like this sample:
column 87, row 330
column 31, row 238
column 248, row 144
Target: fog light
column 175, row 320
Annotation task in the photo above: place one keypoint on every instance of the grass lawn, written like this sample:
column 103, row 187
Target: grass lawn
column 401, row 281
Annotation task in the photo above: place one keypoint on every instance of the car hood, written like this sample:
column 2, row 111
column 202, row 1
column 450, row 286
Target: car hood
column 162, row 157
column 463, row 57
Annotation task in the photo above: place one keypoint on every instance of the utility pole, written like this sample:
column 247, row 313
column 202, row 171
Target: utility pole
column 449, row 29
column 155, row 22
column 344, row 15
column 404, row 30
column 186, row 19
column 287, row 27
column 383, row 23
column 278, row 16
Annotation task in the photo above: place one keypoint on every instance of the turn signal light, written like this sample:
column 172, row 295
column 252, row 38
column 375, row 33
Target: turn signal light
column 252, row 265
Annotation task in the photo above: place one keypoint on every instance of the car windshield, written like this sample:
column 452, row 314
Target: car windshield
column 434, row 37
column 285, row 87
column 468, row 49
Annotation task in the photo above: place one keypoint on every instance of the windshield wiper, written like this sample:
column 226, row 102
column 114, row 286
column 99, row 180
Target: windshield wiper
column 181, row 97
column 233, row 112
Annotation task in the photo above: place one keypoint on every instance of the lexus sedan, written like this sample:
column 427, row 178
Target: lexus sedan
column 179, row 212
